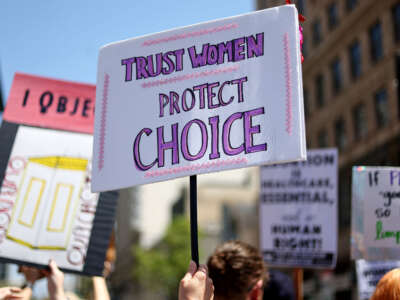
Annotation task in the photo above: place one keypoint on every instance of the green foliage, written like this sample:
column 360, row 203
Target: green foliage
column 161, row 268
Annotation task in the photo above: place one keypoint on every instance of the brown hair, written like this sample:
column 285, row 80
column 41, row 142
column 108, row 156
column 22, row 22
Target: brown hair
column 388, row 287
column 235, row 267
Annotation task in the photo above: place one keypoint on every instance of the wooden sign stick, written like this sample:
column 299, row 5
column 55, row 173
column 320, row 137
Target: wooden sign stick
column 298, row 282
column 193, row 220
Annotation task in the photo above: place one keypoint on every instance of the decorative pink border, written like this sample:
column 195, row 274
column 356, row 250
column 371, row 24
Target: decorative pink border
column 189, row 76
column 198, row 166
column 103, row 121
column 289, row 114
column 190, row 34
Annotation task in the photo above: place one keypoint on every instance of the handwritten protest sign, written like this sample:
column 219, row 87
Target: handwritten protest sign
column 214, row 96
column 369, row 273
column 46, row 207
column 298, row 212
column 375, row 213
column 51, row 103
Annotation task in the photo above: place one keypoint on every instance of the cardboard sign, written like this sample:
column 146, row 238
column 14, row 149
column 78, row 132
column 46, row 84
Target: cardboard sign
column 46, row 207
column 51, row 103
column 369, row 273
column 298, row 212
column 376, row 213
column 214, row 96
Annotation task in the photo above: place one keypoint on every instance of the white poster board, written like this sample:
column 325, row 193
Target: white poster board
column 47, row 210
column 298, row 212
column 369, row 273
column 203, row 98
column 375, row 213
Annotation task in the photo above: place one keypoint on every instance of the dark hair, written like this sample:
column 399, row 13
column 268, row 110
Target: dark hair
column 235, row 267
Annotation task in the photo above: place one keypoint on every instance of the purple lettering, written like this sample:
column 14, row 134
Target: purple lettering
column 249, row 130
column 141, row 71
column 212, row 56
column 221, row 101
column 136, row 151
column 184, row 104
column 239, row 82
column 255, row 47
column 238, row 46
column 214, row 122
column 162, row 145
column 198, row 60
column 211, row 95
column 226, row 132
column 164, row 100
column 204, row 140
column 173, row 103
column 128, row 67
column 179, row 59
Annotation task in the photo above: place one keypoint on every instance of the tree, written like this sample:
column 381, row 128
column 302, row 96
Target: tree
column 161, row 268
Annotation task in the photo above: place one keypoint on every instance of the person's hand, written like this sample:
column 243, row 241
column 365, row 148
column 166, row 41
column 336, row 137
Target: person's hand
column 10, row 293
column 31, row 274
column 55, row 282
column 196, row 285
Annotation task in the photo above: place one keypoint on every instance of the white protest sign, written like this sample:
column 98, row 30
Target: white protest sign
column 213, row 96
column 369, row 273
column 298, row 211
column 47, row 210
column 376, row 213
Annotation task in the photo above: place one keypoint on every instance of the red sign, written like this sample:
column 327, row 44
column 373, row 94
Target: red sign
column 51, row 103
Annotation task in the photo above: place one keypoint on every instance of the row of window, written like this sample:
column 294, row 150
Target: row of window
column 359, row 120
column 332, row 12
column 350, row 5
column 355, row 65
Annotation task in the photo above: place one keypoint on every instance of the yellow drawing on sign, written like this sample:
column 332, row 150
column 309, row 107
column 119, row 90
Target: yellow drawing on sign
column 48, row 197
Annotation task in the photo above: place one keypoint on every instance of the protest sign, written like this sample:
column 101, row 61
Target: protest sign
column 298, row 211
column 209, row 97
column 375, row 213
column 51, row 103
column 369, row 273
column 46, row 207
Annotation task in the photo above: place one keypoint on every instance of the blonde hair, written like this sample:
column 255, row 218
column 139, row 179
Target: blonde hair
column 388, row 287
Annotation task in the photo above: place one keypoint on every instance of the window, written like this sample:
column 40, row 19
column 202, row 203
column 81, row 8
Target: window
column 360, row 121
column 355, row 60
column 319, row 90
column 381, row 108
column 351, row 4
column 306, row 103
column 340, row 134
column 322, row 139
column 396, row 22
column 375, row 37
column 317, row 32
column 333, row 16
column 336, row 70
column 301, row 6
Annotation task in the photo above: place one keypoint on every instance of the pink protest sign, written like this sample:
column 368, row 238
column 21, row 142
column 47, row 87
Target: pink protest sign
column 51, row 103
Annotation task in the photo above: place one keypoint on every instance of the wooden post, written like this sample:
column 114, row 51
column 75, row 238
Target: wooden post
column 194, row 241
column 298, row 283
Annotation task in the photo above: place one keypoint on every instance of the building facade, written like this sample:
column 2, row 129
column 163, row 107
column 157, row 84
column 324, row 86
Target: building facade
column 351, row 90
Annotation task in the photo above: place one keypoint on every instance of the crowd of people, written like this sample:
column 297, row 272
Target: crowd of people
column 235, row 271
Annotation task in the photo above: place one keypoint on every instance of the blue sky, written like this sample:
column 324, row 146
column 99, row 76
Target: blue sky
column 61, row 38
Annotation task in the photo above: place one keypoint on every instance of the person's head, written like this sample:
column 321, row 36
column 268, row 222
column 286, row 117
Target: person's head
column 238, row 271
column 388, row 287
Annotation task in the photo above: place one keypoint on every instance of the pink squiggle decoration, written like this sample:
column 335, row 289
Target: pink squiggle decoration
column 103, row 120
column 189, row 76
column 190, row 34
column 195, row 167
column 289, row 114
